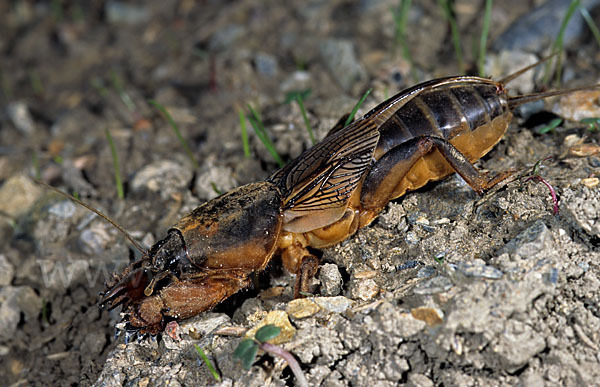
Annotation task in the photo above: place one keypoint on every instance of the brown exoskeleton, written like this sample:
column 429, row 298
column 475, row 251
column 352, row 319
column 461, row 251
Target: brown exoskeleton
column 324, row 196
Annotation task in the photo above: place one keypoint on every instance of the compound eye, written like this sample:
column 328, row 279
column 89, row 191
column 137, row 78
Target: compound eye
column 158, row 262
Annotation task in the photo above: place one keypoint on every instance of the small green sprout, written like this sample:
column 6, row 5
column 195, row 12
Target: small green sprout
column 248, row 348
column 299, row 96
column 214, row 187
column 592, row 123
column 356, row 107
column 208, row 363
column 173, row 125
column 115, row 157
column 439, row 257
column 553, row 124
column 261, row 132
column 98, row 84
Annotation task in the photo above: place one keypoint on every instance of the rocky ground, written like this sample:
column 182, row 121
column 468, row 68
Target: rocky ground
column 444, row 288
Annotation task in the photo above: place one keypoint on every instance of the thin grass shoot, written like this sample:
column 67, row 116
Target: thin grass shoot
column 115, row 157
column 400, row 18
column 208, row 363
column 175, row 128
column 487, row 17
column 356, row 107
column 245, row 142
column 449, row 15
column 261, row 132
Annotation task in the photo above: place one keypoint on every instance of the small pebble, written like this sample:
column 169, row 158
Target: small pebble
column 478, row 269
column 122, row 12
column 302, row 307
column 365, row 274
column 434, row 285
column 364, row 290
column 331, row 280
column 18, row 194
column 280, row 319
column 432, row 316
column 18, row 112
column 64, row 209
column 337, row 304
column 164, row 176
column 411, row 238
column 7, row 271
column 590, row 182
column 426, row 272
column 408, row 265
column 552, row 276
column 341, row 61
column 578, row 105
column 212, row 180
column 418, row 380
column 266, row 64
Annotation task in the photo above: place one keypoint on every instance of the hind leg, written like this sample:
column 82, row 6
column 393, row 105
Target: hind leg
column 382, row 182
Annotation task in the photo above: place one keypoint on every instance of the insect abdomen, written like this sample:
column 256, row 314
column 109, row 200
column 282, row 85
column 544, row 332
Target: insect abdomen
column 448, row 112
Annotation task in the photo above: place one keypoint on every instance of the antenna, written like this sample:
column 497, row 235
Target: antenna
column 95, row 211
column 521, row 99
column 518, row 73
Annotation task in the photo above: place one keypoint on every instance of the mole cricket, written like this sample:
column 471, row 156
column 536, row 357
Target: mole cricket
column 324, row 196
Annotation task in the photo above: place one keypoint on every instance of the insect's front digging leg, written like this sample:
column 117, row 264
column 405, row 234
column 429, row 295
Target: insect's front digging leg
column 185, row 298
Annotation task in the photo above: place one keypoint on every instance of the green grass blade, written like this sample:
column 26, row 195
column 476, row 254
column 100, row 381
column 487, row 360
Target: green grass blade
column 553, row 124
column 173, row 125
column 305, row 118
column 36, row 165
column 206, row 361
column 36, row 82
column 559, row 42
column 115, row 157
column 299, row 96
column 445, row 5
column 5, row 86
column 400, row 17
column 45, row 318
column 98, row 84
column 261, row 132
column 484, row 35
column 591, row 24
column 245, row 142
column 214, row 187
column 356, row 107
column 118, row 85
column 592, row 123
